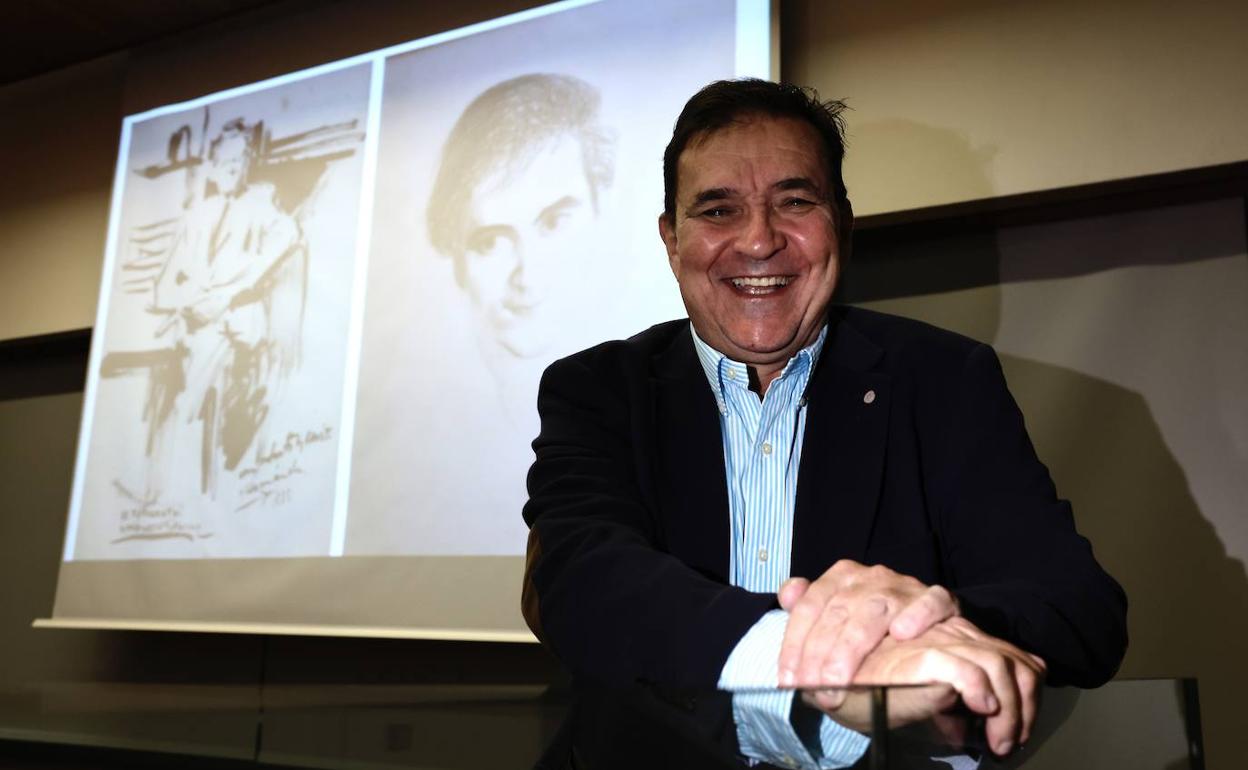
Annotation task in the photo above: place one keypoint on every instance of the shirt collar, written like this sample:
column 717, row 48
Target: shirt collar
column 718, row 367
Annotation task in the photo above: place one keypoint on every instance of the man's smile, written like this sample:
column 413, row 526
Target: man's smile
column 760, row 285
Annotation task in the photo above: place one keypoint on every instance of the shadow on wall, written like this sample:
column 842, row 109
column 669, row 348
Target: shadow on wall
column 1188, row 611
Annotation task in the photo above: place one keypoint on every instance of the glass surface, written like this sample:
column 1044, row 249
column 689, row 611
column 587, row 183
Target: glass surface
column 1130, row 723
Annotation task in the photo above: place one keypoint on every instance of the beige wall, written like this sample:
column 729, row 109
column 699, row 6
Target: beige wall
column 59, row 134
column 1044, row 95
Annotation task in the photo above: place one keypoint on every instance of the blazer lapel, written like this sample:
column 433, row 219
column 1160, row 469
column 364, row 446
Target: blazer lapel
column 842, row 465
column 689, row 456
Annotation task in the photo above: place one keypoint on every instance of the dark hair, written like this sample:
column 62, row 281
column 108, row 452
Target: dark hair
column 728, row 102
column 503, row 128
column 238, row 127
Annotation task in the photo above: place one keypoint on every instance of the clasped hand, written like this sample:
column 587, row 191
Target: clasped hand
column 871, row 625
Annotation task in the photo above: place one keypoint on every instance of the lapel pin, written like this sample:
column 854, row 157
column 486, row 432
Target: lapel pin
column 868, row 397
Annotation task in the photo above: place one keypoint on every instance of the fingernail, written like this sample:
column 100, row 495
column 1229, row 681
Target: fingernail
column 1005, row 747
column 786, row 677
column 990, row 702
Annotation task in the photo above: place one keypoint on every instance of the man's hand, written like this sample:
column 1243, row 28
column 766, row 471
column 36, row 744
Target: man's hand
column 836, row 621
column 205, row 309
column 993, row 677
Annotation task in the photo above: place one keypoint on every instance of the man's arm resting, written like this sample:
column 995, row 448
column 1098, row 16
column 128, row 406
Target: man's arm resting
column 764, row 718
column 1015, row 561
column 599, row 591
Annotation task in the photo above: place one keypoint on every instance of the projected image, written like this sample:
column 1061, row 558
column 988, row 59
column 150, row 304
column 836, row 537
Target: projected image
column 515, row 224
column 515, row 208
column 327, row 301
column 220, row 385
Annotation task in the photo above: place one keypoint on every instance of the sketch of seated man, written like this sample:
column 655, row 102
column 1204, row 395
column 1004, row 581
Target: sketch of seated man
column 229, row 299
column 515, row 205
column 232, row 289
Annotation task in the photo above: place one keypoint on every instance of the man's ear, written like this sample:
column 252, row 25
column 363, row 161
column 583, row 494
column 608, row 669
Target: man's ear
column 845, row 231
column 667, row 231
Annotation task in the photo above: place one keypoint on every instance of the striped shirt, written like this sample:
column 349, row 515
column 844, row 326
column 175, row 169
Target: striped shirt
column 762, row 450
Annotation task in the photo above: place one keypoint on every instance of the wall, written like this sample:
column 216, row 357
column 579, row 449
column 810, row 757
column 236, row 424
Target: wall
column 60, row 135
column 1045, row 95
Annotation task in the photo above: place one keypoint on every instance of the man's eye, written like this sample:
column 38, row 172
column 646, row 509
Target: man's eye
column 550, row 220
column 482, row 243
column 797, row 203
column 486, row 241
column 716, row 212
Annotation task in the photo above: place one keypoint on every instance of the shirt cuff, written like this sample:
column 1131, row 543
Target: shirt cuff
column 764, row 729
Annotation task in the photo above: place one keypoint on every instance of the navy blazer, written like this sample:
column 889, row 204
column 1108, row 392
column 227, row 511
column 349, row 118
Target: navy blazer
column 933, row 475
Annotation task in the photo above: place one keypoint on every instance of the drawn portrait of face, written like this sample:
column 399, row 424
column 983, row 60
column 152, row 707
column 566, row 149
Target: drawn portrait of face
column 227, row 163
column 532, row 239
column 515, row 206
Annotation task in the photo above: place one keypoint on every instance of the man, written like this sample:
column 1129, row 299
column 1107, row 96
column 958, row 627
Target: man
column 684, row 474
column 230, row 297
column 515, row 206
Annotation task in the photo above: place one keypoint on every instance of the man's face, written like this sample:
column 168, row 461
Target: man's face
column 754, row 246
column 229, row 162
column 527, row 257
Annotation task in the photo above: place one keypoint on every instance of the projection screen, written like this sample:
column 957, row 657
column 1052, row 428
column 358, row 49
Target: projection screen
column 328, row 298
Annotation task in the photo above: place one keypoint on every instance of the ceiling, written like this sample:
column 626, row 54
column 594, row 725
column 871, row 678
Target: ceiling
column 38, row 36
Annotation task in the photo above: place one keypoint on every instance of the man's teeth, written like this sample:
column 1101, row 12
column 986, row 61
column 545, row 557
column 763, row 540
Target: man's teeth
column 760, row 283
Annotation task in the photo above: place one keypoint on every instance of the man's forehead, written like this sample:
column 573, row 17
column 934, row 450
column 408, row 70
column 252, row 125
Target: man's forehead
column 557, row 155
column 521, row 189
column 786, row 148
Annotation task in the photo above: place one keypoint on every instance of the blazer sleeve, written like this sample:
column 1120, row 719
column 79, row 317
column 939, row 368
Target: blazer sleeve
column 1019, row 567
column 599, row 589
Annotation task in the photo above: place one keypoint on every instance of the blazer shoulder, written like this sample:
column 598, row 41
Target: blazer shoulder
column 627, row 357
column 907, row 342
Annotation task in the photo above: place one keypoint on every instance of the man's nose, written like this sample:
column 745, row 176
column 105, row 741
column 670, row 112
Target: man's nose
column 527, row 269
column 759, row 238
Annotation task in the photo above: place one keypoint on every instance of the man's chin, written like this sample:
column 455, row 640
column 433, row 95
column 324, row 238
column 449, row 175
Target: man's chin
column 758, row 351
column 524, row 346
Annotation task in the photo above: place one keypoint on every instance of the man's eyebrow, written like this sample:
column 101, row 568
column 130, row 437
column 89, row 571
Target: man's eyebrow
column 566, row 202
column 713, row 194
column 797, row 183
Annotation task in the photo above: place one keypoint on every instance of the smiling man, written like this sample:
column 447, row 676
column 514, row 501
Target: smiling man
column 779, row 491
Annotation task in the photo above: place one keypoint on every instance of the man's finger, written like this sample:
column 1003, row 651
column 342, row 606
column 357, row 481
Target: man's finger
column 966, row 676
column 1029, row 695
column 791, row 591
column 829, row 626
column 1020, row 677
column 933, row 606
column 802, row 616
column 864, row 628
column 1002, row 729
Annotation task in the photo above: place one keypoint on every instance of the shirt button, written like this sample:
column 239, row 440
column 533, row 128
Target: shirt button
column 762, row 554
column 766, row 447
column 790, row 761
column 732, row 374
column 868, row 397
